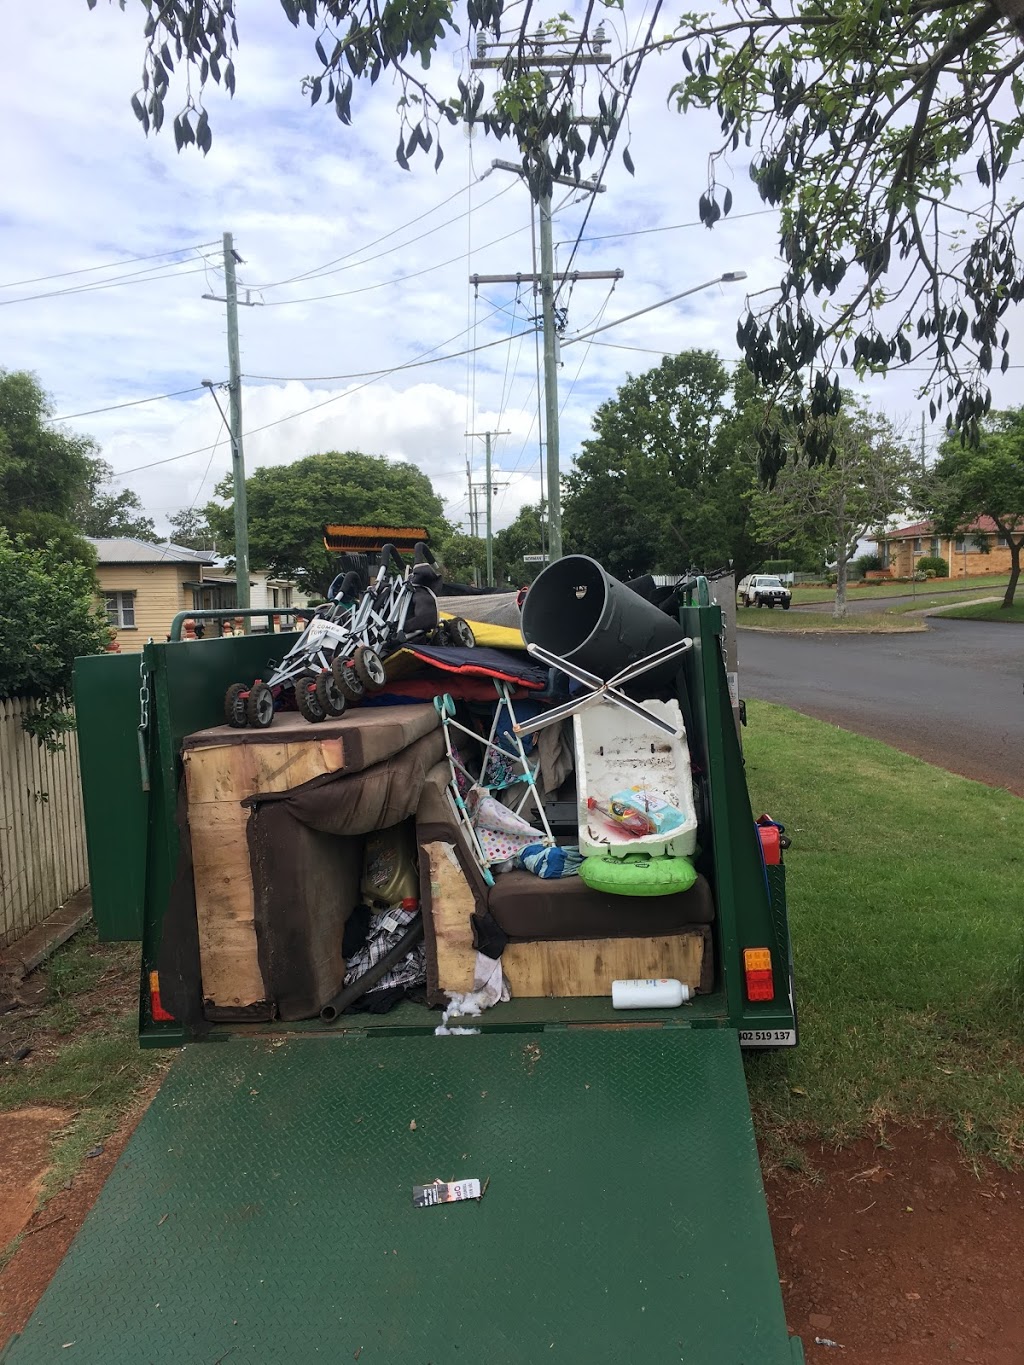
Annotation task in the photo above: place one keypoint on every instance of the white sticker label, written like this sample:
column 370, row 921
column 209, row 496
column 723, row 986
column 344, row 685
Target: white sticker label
column 317, row 628
column 768, row 1037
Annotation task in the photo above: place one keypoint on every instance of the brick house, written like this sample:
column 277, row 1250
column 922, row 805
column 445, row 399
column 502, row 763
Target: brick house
column 902, row 547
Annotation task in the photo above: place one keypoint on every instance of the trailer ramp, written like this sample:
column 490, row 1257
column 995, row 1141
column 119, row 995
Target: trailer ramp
column 262, row 1212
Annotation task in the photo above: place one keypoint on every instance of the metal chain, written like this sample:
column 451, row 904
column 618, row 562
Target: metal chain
column 143, row 694
column 143, row 720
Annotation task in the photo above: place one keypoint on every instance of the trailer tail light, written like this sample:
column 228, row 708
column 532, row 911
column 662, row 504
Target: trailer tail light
column 757, row 969
column 157, row 1012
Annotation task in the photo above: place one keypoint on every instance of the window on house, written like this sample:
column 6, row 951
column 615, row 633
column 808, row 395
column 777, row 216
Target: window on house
column 960, row 545
column 282, row 597
column 1004, row 542
column 120, row 608
column 886, row 554
column 918, row 545
column 935, row 549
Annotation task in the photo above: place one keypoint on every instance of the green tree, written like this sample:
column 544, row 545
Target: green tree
column 460, row 555
column 100, row 511
column 48, row 617
column 867, row 118
column 289, row 505
column 661, row 484
column 43, row 469
column 190, row 528
column 987, row 481
column 527, row 535
column 833, row 504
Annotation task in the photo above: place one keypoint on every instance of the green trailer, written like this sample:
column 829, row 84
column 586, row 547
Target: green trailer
column 263, row 1211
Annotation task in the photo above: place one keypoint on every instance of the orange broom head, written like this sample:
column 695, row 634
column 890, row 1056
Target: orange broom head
column 369, row 539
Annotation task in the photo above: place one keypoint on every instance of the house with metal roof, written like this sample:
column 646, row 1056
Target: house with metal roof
column 981, row 550
column 144, row 585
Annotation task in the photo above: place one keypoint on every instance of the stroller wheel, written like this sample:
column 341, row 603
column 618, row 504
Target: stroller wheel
column 329, row 694
column 307, row 701
column 260, row 707
column 369, row 668
column 347, row 679
column 234, row 705
column 461, row 632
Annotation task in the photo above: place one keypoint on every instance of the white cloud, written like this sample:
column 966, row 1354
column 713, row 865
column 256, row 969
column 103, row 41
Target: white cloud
column 84, row 186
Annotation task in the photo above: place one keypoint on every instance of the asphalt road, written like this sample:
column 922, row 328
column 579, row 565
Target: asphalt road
column 953, row 695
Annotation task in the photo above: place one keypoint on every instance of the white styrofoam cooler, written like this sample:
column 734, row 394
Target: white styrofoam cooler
column 616, row 750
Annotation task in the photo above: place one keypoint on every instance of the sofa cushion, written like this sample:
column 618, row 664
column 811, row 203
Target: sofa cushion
column 530, row 908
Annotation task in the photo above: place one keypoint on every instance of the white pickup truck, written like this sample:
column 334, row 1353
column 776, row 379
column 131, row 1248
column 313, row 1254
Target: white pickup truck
column 763, row 590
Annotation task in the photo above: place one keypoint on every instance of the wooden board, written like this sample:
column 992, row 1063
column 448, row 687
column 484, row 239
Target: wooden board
column 563, row 968
column 219, row 777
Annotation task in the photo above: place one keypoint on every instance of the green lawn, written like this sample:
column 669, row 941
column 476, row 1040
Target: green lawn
column 904, row 888
column 987, row 611
column 777, row 619
column 810, row 595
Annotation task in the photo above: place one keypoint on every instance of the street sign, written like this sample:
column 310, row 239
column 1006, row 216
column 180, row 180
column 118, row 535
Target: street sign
column 535, row 559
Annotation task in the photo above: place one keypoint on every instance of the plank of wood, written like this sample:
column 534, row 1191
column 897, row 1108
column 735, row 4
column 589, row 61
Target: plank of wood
column 570, row 967
column 224, row 905
column 589, row 966
column 452, row 902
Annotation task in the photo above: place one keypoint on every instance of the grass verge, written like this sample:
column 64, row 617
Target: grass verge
column 85, row 1055
column 987, row 611
column 801, row 622
column 908, row 935
column 811, row 596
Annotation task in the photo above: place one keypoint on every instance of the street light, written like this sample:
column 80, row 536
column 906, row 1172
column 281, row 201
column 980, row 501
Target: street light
column 729, row 277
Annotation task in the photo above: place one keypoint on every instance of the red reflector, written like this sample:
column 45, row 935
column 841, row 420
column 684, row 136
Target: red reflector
column 769, row 836
column 757, row 970
column 156, row 1009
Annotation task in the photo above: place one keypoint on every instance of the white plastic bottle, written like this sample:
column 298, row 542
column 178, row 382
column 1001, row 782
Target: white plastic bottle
column 650, row 995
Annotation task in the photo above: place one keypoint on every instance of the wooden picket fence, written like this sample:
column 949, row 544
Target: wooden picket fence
column 42, row 831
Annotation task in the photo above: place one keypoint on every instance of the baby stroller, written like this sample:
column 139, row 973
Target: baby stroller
column 339, row 657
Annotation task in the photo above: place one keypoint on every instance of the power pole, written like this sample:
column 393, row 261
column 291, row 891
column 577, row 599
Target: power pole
column 231, row 302
column 923, row 465
column 488, row 435
column 549, row 53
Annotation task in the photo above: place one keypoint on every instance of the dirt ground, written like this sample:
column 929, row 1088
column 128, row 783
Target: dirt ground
column 900, row 1255
column 892, row 1255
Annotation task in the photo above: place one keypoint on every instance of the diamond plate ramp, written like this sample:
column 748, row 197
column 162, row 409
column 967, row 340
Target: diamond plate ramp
column 262, row 1211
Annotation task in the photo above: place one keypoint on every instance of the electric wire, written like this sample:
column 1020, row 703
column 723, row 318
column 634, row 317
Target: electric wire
column 397, row 279
column 371, row 375
column 105, row 284
column 323, row 272
column 611, row 145
column 357, row 251
column 110, row 265
column 134, row 403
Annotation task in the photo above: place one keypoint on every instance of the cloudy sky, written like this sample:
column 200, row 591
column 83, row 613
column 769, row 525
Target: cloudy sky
column 356, row 265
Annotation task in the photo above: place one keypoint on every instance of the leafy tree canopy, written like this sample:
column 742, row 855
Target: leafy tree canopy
column 832, row 504
column 866, row 122
column 987, row 481
column 43, row 469
column 289, row 505
column 48, row 617
column 527, row 535
column 101, row 511
column 460, row 555
column 190, row 528
column 661, row 484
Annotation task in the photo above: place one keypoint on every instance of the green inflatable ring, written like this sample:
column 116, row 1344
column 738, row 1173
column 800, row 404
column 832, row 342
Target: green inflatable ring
column 638, row 874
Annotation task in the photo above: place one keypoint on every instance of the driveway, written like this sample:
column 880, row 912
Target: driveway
column 953, row 695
